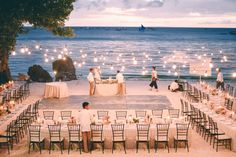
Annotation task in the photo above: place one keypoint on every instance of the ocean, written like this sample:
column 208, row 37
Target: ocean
column 128, row 49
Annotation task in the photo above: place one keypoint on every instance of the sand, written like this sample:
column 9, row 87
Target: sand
column 199, row 147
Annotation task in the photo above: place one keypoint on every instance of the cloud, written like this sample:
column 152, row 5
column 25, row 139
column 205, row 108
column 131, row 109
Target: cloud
column 155, row 12
column 155, row 3
column 195, row 14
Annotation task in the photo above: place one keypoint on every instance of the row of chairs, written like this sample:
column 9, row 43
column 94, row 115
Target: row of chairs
column 97, row 136
column 192, row 94
column 17, row 128
column 229, row 103
column 206, row 127
column 158, row 113
column 16, row 94
column 231, row 90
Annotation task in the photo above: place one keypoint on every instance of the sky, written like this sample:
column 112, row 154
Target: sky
column 154, row 13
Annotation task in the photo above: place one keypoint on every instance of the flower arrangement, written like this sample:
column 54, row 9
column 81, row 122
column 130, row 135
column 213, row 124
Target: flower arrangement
column 221, row 110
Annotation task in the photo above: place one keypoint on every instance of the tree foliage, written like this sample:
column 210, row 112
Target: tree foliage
column 47, row 14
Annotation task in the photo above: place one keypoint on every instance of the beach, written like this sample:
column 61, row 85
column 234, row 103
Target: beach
column 79, row 88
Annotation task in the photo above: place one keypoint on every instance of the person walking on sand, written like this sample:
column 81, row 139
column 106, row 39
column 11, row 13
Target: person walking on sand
column 154, row 79
column 85, row 119
column 90, row 78
column 120, row 80
column 220, row 80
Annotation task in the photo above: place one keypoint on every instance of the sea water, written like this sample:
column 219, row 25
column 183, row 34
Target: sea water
column 127, row 49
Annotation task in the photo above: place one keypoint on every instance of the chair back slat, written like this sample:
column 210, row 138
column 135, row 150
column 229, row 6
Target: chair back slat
column 65, row 115
column 74, row 132
column 121, row 114
column 173, row 113
column 96, row 132
column 143, row 131
column 34, row 132
column 157, row 113
column 182, row 130
column 117, row 132
column 140, row 114
column 55, row 132
column 162, row 131
column 48, row 115
column 102, row 114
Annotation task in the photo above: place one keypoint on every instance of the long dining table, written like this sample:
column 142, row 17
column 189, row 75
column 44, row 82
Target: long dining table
column 130, row 128
column 226, row 122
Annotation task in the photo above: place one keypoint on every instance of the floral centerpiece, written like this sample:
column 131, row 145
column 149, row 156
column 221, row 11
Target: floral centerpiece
column 221, row 110
column 106, row 120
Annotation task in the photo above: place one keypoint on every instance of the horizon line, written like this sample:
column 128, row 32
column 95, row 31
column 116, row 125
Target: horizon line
column 151, row 26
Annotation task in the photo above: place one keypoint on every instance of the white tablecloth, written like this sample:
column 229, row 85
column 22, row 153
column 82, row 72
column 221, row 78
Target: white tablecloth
column 6, row 119
column 227, row 125
column 56, row 90
column 105, row 89
column 218, row 97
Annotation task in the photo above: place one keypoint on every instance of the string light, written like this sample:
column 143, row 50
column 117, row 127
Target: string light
column 59, row 56
column 22, row 50
column 234, row 74
column 95, row 59
column 37, row 46
column 145, row 58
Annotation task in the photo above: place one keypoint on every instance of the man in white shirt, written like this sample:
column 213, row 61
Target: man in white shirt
column 174, row 86
column 120, row 79
column 85, row 120
column 154, row 79
column 220, row 80
column 90, row 78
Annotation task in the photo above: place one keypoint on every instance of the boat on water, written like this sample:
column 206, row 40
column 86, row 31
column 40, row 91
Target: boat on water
column 142, row 28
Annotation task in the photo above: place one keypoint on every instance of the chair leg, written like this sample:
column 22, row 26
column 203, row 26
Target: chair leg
column 69, row 147
column 155, row 146
column 40, row 148
column 112, row 146
column 50, row 146
column 8, row 148
column 176, row 145
column 167, row 146
column 137, row 143
column 187, row 146
column 62, row 146
column 80, row 147
column 29, row 148
column 90, row 145
column 103, row 147
column 124, row 147
column 148, row 147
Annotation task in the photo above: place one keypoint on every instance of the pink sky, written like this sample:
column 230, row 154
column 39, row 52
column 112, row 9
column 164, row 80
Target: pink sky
column 170, row 13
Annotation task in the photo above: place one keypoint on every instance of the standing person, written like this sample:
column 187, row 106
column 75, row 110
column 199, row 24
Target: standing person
column 97, row 74
column 220, row 80
column 120, row 79
column 85, row 120
column 154, row 79
column 90, row 78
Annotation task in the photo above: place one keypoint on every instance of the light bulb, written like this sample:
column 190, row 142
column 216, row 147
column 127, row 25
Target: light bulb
column 59, row 56
column 234, row 74
column 37, row 46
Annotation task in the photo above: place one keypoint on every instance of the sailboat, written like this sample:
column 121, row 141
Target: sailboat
column 142, row 28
